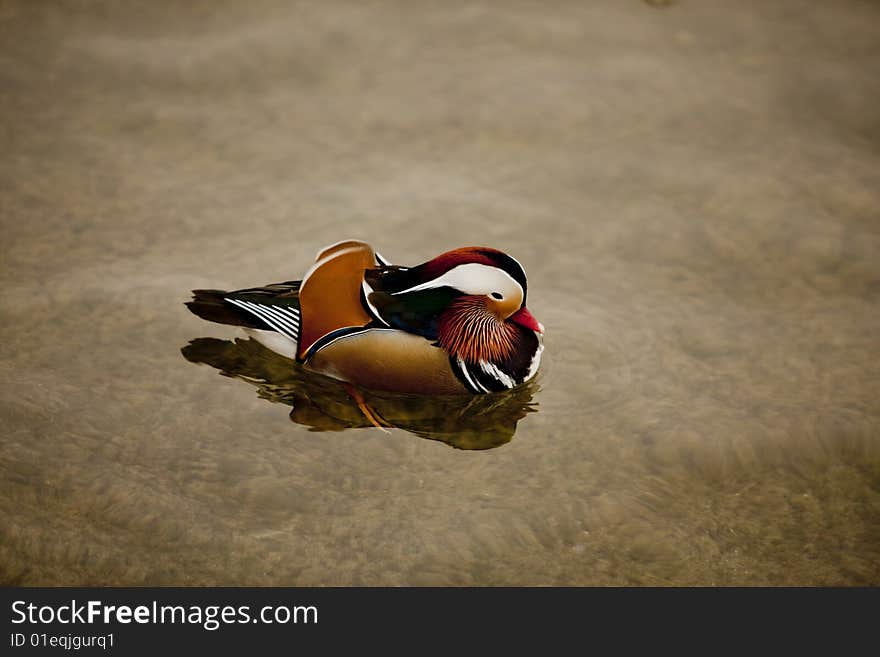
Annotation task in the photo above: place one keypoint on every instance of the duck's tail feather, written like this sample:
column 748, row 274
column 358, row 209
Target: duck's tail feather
column 212, row 306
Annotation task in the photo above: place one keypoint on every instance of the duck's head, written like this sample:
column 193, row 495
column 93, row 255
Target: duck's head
column 471, row 299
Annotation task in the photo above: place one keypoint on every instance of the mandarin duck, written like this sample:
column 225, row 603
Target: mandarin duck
column 456, row 324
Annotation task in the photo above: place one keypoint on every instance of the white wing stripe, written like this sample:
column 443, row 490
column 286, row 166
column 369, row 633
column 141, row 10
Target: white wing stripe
column 245, row 306
column 263, row 313
column 281, row 324
column 287, row 313
column 286, row 321
column 256, row 311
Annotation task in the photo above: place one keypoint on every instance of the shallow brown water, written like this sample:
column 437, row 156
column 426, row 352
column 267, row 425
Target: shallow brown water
column 693, row 189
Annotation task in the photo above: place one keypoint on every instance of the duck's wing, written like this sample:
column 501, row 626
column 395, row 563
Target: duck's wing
column 272, row 307
column 332, row 295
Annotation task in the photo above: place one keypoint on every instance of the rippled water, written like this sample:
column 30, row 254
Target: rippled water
column 691, row 187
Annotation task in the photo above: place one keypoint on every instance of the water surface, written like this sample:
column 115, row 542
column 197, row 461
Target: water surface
column 693, row 189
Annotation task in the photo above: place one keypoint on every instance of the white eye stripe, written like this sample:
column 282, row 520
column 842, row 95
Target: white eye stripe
column 471, row 278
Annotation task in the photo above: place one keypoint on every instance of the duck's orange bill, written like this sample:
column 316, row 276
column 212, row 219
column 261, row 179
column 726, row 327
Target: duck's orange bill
column 524, row 318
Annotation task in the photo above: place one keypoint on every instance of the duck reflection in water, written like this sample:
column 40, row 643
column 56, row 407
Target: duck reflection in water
column 322, row 403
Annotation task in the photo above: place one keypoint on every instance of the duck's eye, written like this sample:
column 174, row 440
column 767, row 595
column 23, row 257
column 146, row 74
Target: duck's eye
column 496, row 295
